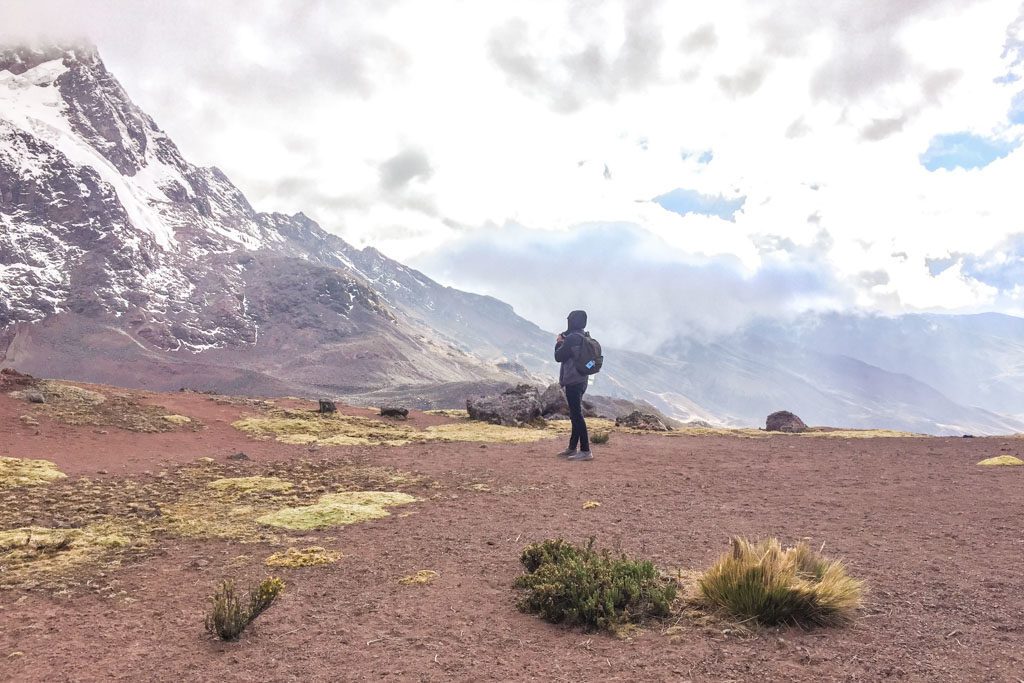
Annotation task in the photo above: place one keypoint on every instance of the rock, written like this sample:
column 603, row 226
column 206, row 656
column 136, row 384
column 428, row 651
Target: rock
column 394, row 411
column 33, row 396
column 238, row 456
column 9, row 377
column 639, row 420
column 327, row 406
column 515, row 407
column 784, row 421
column 554, row 406
column 552, row 401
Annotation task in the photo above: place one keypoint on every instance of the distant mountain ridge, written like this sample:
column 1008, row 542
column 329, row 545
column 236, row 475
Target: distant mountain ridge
column 122, row 263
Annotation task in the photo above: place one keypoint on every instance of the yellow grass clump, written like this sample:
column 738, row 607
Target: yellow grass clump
column 336, row 509
column 15, row 472
column 293, row 558
column 303, row 428
column 591, row 504
column 420, row 578
column 1001, row 460
column 178, row 419
column 764, row 583
column 251, row 485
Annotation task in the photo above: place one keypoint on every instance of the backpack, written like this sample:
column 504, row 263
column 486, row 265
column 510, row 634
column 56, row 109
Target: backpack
column 590, row 359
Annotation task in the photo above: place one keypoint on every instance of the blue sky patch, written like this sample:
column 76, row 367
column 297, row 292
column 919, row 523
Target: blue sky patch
column 1016, row 114
column 964, row 150
column 683, row 202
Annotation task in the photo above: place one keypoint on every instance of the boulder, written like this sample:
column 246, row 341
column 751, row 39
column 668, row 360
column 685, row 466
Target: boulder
column 9, row 377
column 784, row 421
column 514, row 407
column 553, row 405
column 394, row 411
column 327, row 406
column 33, row 396
column 639, row 420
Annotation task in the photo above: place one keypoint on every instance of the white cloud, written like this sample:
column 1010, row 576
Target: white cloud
column 416, row 126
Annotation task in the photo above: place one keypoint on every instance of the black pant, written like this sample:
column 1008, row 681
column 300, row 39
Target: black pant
column 574, row 395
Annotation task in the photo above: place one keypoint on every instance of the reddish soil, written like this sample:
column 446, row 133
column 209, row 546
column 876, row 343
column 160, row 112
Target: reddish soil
column 937, row 538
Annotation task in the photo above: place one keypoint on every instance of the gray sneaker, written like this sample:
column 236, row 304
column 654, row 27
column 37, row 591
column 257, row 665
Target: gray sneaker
column 567, row 453
column 582, row 455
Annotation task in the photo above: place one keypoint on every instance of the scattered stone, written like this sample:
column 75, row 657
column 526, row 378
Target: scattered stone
column 327, row 407
column 784, row 421
column 514, row 407
column 394, row 411
column 639, row 420
column 238, row 456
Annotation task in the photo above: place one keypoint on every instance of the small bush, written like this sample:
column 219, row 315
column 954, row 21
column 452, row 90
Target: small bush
column 228, row 615
column 765, row 583
column 578, row 586
column 600, row 438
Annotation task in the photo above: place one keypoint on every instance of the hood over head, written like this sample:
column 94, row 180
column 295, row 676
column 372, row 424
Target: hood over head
column 577, row 320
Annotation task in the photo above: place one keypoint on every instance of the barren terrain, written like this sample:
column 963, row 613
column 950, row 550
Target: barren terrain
column 936, row 537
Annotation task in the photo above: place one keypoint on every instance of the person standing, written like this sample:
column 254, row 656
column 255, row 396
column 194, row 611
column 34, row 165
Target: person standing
column 574, row 384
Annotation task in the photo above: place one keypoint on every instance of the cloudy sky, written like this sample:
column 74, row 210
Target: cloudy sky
column 668, row 165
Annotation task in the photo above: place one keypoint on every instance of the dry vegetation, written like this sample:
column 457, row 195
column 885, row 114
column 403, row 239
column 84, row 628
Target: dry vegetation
column 76, row 406
column 764, row 583
column 306, row 427
column 1001, row 461
column 229, row 615
column 54, row 533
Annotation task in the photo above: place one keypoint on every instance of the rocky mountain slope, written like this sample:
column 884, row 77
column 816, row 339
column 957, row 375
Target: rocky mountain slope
column 122, row 263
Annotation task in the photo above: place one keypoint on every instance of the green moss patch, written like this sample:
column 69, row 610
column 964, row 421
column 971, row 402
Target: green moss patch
column 336, row 509
column 16, row 472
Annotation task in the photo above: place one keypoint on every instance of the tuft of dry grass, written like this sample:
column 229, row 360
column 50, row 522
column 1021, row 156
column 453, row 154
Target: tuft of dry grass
column 420, row 578
column 17, row 472
column 764, row 583
column 293, row 558
column 1001, row 461
column 229, row 616
column 591, row 504
column 600, row 438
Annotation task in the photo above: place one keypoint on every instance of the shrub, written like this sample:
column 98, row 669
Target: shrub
column 765, row 583
column 600, row 438
column 578, row 586
column 228, row 615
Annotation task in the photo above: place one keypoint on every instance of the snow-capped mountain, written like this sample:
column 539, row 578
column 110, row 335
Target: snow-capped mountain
column 111, row 240
column 121, row 262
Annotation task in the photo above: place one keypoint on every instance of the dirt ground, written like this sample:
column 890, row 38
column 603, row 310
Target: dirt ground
column 937, row 538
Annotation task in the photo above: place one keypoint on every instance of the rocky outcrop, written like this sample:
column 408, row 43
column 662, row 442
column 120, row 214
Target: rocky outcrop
column 514, row 407
column 784, row 421
column 11, row 378
column 644, row 421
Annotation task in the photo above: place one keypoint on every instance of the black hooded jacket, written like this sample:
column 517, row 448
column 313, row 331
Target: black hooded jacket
column 568, row 351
